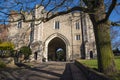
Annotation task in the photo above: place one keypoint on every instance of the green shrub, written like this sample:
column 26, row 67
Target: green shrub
column 26, row 51
column 2, row 64
column 6, row 49
column 6, row 46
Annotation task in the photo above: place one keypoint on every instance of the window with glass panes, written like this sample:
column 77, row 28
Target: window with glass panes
column 77, row 37
column 57, row 24
column 77, row 25
column 19, row 24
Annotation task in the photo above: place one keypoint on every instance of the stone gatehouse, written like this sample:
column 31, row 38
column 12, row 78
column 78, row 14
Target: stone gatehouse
column 71, row 33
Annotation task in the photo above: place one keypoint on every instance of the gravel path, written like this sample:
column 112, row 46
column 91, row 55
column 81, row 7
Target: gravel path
column 43, row 71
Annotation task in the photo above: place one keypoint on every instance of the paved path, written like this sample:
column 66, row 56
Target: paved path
column 43, row 71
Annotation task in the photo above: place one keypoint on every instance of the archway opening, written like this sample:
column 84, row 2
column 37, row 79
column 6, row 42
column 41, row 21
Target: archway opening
column 35, row 55
column 91, row 54
column 60, row 54
column 56, row 50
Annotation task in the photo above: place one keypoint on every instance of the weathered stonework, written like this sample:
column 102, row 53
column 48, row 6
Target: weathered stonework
column 47, row 39
column 4, row 32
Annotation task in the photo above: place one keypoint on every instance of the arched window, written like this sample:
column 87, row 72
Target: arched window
column 19, row 24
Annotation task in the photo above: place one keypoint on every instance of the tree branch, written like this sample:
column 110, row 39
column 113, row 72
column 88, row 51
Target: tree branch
column 66, row 12
column 112, row 6
column 115, row 24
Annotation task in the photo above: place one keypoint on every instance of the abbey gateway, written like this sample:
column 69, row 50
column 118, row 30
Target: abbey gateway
column 70, row 36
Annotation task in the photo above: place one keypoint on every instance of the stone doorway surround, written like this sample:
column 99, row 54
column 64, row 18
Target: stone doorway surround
column 54, row 45
column 63, row 38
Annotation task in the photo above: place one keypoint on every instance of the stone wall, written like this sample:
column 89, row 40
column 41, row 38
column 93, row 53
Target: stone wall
column 9, row 62
column 90, row 73
column 4, row 32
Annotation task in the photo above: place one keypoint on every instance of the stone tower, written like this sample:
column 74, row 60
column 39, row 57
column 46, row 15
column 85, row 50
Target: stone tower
column 67, row 32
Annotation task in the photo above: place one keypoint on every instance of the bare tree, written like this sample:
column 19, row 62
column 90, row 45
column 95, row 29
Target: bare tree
column 115, row 37
column 98, row 10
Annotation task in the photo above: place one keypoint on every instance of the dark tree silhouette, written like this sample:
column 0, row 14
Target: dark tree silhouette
column 99, row 12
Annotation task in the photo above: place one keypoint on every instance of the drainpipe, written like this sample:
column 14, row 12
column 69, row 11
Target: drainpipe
column 32, row 29
column 83, row 43
column 71, row 56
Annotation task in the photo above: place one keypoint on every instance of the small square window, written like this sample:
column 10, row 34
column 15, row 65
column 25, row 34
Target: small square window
column 77, row 37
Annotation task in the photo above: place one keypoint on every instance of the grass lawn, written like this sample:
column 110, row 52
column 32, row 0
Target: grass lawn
column 92, row 63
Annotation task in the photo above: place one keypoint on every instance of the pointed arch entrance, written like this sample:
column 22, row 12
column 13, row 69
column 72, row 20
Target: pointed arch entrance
column 53, row 44
column 56, row 50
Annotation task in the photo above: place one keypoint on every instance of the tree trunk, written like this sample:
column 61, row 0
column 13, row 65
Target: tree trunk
column 101, row 26
column 106, row 62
